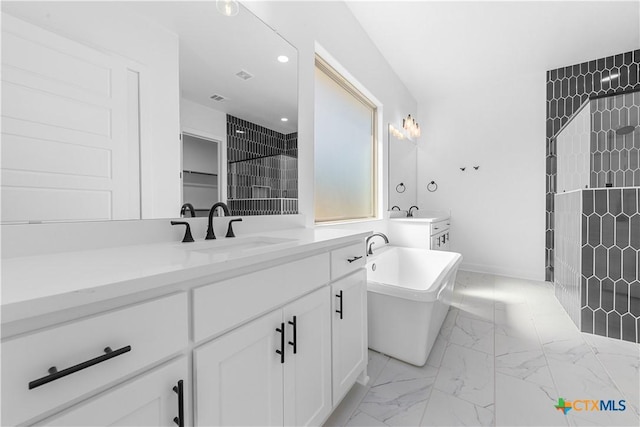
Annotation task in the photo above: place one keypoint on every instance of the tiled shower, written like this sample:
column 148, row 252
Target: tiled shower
column 597, row 217
column 262, row 169
column 568, row 88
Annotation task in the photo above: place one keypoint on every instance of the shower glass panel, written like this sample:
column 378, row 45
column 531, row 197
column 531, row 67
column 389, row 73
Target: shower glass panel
column 600, row 146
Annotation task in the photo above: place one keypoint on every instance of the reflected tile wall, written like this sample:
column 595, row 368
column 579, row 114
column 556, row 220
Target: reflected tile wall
column 567, row 89
column 262, row 169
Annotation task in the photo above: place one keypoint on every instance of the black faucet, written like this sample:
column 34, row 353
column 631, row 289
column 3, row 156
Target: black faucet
column 210, row 234
column 187, row 233
column 189, row 206
column 409, row 213
column 370, row 247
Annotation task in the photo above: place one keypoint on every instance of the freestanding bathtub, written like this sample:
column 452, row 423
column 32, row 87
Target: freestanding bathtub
column 409, row 292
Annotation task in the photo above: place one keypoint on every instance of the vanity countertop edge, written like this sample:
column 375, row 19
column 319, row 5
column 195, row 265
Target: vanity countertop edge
column 42, row 284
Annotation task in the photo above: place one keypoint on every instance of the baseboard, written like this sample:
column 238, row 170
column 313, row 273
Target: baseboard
column 501, row 271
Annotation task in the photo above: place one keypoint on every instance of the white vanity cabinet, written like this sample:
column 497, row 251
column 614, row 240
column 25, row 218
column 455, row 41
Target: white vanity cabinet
column 349, row 331
column 272, row 371
column 275, row 340
column 158, row 398
column 48, row 368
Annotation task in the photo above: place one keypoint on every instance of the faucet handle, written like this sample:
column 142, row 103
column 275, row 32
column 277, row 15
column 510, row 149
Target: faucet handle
column 187, row 233
column 230, row 229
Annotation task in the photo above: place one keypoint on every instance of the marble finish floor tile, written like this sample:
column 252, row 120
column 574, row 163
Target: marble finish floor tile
column 473, row 333
column 360, row 419
column 400, row 393
column 621, row 360
column 504, row 355
column 446, row 410
column 523, row 403
column 467, row 374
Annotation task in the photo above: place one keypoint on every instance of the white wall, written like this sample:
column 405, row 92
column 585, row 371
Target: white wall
column 497, row 211
column 332, row 26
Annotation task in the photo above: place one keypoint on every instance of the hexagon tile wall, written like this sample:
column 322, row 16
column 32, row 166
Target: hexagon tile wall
column 567, row 89
column 598, row 260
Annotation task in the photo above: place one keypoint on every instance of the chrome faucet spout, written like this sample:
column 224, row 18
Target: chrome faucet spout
column 370, row 246
column 410, row 211
column 210, row 234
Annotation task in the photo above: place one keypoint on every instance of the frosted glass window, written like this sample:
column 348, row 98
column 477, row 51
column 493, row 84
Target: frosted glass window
column 345, row 154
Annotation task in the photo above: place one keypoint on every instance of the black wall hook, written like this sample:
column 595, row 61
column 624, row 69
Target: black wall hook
column 476, row 167
column 463, row 169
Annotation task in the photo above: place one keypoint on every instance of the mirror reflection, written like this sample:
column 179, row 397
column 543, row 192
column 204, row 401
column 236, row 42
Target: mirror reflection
column 125, row 110
column 403, row 152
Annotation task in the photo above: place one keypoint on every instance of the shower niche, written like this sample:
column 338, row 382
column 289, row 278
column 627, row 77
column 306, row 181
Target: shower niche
column 597, row 217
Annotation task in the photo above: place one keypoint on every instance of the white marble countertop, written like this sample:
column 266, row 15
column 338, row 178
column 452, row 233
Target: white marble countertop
column 41, row 284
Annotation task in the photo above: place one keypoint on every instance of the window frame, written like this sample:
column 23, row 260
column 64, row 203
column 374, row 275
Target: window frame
column 325, row 67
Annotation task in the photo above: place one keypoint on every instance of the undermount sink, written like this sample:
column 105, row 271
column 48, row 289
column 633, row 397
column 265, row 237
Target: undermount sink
column 236, row 245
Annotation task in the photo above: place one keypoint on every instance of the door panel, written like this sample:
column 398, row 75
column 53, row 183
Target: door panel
column 307, row 374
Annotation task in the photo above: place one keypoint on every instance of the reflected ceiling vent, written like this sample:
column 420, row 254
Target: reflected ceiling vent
column 217, row 97
column 244, row 75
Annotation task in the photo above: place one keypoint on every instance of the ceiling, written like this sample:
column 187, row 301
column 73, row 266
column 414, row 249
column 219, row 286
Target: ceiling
column 436, row 47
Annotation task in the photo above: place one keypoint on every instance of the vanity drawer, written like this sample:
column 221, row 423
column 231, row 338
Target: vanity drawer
column 222, row 305
column 440, row 226
column 347, row 259
column 138, row 336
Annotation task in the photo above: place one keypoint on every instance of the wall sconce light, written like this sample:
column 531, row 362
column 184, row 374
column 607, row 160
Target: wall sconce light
column 395, row 132
column 228, row 7
column 411, row 126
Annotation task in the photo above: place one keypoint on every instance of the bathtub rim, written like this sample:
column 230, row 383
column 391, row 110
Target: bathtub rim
column 427, row 295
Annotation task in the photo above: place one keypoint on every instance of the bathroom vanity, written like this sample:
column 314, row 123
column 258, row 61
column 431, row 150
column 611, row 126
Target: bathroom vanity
column 425, row 229
column 267, row 329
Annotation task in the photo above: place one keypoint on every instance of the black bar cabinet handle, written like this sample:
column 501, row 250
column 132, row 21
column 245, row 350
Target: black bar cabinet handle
column 179, row 389
column 54, row 374
column 295, row 339
column 281, row 351
column 340, row 311
column 355, row 258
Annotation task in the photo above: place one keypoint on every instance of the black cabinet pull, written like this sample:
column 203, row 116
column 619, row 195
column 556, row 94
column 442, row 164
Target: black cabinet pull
column 54, row 374
column 340, row 311
column 355, row 258
column 281, row 351
column 179, row 389
column 295, row 339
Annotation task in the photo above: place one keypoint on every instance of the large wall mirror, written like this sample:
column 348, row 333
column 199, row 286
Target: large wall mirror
column 129, row 110
column 403, row 153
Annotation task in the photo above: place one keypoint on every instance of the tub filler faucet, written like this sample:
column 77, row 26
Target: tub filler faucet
column 370, row 246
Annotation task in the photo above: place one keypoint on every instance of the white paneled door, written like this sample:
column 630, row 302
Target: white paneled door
column 69, row 127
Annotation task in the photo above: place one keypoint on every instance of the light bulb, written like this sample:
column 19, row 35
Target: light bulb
column 227, row 7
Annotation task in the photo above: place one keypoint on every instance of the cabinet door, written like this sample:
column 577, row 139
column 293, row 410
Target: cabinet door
column 238, row 376
column 349, row 331
column 146, row 401
column 307, row 373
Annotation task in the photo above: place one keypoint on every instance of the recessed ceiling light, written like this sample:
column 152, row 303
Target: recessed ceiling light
column 283, row 58
column 611, row 77
column 284, row 119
